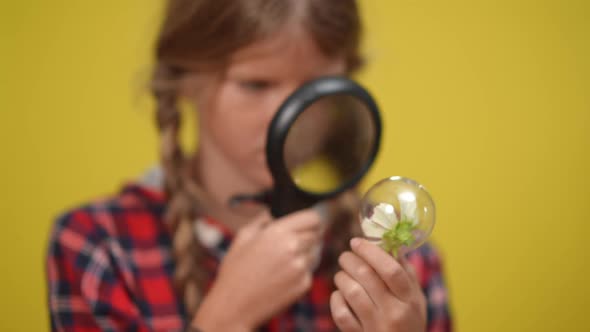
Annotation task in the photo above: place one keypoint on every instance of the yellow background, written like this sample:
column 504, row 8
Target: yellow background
column 486, row 102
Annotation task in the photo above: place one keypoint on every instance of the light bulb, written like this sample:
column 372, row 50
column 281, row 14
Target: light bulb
column 397, row 214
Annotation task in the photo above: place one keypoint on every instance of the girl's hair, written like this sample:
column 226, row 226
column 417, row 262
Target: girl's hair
column 201, row 35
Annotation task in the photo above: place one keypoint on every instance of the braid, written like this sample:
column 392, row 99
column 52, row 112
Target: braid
column 343, row 227
column 182, row 193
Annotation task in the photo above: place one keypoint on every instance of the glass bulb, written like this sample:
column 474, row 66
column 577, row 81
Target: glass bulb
column 397, row 214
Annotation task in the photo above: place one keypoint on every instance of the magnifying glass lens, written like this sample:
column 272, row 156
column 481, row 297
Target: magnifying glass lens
column 329, row 143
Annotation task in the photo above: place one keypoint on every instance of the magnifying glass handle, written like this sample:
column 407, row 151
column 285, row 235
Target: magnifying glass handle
column 263, row 197
column 284, row 200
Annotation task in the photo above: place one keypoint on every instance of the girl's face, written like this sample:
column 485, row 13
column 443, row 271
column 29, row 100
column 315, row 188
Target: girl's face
column 236, row 107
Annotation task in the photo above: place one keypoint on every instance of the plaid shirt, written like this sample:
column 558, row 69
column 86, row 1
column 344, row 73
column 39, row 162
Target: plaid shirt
column 110, row 268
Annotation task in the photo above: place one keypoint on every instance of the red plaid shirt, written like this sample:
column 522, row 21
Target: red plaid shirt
column 110, row 268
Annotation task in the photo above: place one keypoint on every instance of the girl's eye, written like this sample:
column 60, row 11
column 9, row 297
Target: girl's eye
column 255, row 85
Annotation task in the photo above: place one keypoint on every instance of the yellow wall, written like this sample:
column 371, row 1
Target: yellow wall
column 487, row 103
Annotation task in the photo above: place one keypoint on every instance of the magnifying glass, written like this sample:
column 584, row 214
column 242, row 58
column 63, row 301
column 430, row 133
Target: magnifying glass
column 321, row 142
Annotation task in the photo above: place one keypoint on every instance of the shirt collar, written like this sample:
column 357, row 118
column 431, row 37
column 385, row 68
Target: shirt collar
column 213, row 236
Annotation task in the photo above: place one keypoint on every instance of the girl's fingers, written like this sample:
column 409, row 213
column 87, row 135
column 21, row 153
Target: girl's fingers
column 342, row 315
column 391, row 271
column 308, row 240
column 411, row 271
column 356, row 297
column 304, row 220
column 254, row 227
column 299, row 243
column 365, row 275
column 315, row 256
column 312, row 255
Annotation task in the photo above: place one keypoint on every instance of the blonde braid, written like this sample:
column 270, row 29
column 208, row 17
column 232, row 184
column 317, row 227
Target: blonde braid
column 343, row 226
column 183, row 194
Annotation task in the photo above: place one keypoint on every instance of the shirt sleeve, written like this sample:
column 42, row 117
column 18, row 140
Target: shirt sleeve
column 85, row 293
column 428, row 267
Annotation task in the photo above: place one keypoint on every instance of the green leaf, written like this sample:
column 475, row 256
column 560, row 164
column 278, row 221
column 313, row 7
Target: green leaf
column 398, row 236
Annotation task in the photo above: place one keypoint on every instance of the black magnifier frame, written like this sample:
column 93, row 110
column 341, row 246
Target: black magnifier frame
column 286, row 196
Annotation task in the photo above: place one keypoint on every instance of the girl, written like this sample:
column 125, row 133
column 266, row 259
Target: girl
column 150, row 258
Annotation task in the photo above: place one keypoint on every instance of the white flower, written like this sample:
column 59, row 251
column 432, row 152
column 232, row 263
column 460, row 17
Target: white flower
column 384, row 217
column 407, row 202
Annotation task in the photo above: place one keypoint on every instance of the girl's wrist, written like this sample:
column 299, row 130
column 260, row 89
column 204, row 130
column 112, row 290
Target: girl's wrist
column 215, row 324
column 215, row 314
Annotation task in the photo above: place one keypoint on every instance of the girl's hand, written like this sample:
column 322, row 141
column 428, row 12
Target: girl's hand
column 376, row 292
column 267, row 268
